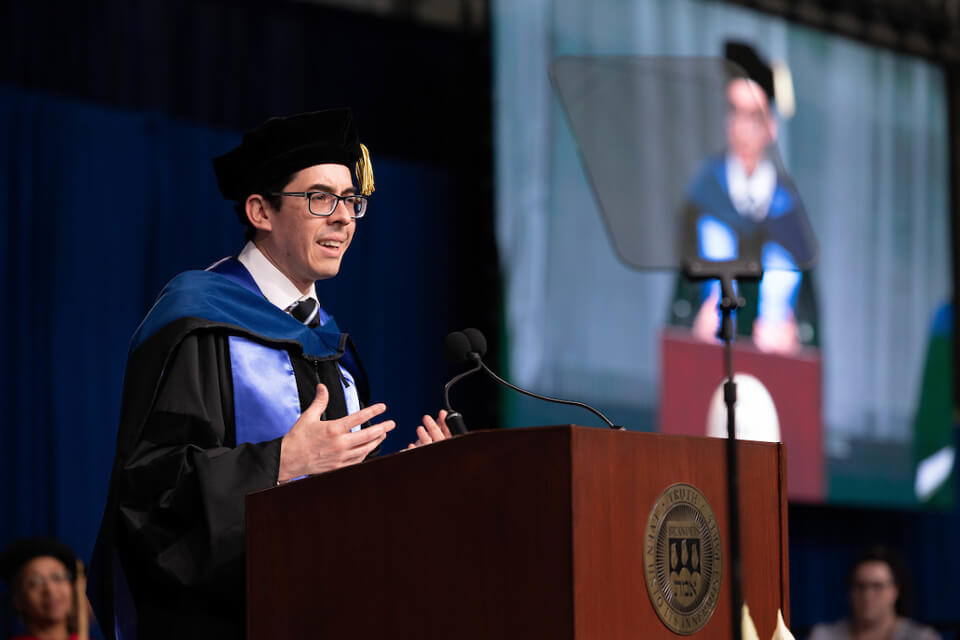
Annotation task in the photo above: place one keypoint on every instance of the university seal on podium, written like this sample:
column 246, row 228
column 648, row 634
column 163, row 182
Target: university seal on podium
column 682, row 559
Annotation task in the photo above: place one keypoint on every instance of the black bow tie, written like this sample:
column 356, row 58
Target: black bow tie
column 306, row 311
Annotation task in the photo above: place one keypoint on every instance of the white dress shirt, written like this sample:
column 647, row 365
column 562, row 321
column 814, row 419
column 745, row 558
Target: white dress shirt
column 282, row 293
column 751, row 194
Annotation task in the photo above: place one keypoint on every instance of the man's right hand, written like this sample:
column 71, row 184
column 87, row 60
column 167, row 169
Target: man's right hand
column 314, row 445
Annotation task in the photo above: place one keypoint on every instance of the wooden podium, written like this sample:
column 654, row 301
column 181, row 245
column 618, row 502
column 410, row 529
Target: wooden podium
column 519, row 533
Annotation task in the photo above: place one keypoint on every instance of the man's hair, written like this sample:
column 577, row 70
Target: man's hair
column 263, row 191
column 898, row 570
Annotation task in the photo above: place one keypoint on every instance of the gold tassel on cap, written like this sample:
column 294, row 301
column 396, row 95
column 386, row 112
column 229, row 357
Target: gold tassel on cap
column 783, row 90
column 365, row 171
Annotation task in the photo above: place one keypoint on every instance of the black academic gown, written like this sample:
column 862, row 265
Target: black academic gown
column 175, row 512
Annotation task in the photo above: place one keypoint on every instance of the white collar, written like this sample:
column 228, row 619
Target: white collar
column 751, row 194
column 276, row 287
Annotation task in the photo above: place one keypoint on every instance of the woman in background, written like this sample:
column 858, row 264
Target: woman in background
column 879, row 600
column 40, row 574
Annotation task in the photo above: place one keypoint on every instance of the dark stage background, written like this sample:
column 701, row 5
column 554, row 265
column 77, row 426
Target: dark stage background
column 109, row 114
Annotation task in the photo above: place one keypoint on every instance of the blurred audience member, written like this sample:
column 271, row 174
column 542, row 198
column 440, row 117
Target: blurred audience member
column 879, row 592
column 40, row 573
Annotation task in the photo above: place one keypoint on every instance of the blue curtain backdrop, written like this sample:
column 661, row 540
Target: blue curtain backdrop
column 103, row 206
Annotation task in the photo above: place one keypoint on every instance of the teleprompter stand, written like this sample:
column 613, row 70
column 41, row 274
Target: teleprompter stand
column 727, row 272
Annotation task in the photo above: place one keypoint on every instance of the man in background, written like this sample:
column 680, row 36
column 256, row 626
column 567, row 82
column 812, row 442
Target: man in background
column 742, row 204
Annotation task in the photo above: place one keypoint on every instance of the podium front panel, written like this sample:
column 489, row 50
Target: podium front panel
column 616, row 483
column 466, row 538
column 520, row 533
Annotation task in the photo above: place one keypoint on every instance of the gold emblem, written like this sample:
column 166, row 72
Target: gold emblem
column 682, row 559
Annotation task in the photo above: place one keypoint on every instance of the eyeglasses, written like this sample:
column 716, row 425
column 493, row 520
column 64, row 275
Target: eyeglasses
column 36, row 581
column 754, row 117
column 321, row 203
column 871, row 586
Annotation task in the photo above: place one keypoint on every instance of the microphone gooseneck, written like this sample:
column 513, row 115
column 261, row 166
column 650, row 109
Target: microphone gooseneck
column 476, row 347
column 457, row 348
column 572, row 403
column 457, row 378
column 470, row 345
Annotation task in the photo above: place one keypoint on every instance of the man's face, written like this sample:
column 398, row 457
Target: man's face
column 750, row 127
column 873, row 593
column 303, row 246
column 45, row 594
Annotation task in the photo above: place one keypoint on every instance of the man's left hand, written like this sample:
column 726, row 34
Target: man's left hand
column 431, row 430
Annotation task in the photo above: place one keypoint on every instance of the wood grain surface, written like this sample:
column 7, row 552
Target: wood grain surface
column 521, row 533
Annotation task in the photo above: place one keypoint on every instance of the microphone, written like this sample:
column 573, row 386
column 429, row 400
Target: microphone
column 457, row 347
column 478, row 347
column 478, row 343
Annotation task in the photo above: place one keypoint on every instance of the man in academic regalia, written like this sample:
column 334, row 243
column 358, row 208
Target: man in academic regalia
column 742, row 204
column 238, row 380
